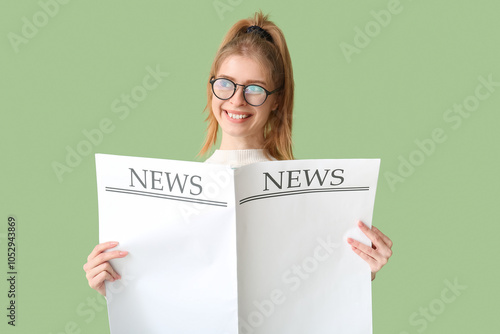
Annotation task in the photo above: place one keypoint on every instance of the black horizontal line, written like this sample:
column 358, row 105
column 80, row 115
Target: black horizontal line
column 300, row 192
column 165, row 196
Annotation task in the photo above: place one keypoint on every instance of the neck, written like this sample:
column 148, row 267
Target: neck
column 241, row 143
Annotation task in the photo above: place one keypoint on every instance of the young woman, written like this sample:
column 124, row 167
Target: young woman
column 250, row 98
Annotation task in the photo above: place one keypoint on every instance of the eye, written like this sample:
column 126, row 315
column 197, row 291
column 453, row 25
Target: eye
column 224, row 84
column 254, row 89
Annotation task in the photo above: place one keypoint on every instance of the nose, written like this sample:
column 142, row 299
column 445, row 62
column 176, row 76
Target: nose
column 238, row 99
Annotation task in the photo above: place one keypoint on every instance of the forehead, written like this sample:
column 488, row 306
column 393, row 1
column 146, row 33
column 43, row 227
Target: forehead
column 243, row 70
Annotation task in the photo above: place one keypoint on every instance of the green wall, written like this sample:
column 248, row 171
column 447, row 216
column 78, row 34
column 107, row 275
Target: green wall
column 415, row 83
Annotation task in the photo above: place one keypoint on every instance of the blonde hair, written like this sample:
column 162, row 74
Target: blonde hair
column 272, row 55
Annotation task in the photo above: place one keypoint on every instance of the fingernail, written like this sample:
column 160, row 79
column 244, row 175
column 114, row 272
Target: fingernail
column 360, row 223
column 123, row 253
column 349, row 240
column 113, row 243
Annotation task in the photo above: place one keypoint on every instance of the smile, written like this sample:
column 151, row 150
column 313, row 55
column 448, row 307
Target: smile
column 237, row 116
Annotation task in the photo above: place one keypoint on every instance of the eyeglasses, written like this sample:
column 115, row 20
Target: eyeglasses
column 254, row 95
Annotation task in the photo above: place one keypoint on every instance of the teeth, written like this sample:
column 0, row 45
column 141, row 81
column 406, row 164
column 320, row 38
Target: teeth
column 235, row 116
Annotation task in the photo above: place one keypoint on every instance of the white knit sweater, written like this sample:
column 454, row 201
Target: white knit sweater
column 237, row 158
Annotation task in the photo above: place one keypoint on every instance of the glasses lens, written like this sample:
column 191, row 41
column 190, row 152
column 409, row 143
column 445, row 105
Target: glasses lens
column 223, row 88
column 255, row 95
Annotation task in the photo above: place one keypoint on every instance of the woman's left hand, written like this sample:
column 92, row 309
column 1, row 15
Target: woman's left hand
column 378, row 254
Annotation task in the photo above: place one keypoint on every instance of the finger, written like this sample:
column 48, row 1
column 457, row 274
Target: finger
column 380, row 255
column 375, row 238
column 375, row 265
column 98, row 281
column 369, row 251
column 383, row 247
column 103, row 267
column 102, row 258
column 101, row 248
column 368, row 259
column 386, row 239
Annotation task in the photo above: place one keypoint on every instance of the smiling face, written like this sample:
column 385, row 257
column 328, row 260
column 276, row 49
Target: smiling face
column 242, row 124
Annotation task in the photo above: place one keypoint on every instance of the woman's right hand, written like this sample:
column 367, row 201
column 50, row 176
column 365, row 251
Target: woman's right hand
column 98, row 268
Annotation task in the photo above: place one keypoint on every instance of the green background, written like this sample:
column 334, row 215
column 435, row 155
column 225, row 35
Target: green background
column 442, row 217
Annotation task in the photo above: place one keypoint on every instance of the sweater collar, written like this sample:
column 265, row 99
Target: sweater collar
column 238, row 158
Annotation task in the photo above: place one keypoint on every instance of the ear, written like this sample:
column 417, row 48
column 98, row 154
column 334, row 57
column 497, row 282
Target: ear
column 275, row 105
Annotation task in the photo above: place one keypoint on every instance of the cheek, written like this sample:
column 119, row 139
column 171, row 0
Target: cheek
column 216, row 108
column 267, row 113
column 264, row 117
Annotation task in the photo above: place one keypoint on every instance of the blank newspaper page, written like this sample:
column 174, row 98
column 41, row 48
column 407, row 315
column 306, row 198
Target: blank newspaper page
column 296, row 272
column 177, row 221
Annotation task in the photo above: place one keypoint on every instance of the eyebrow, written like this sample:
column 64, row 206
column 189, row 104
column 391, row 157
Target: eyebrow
column 246, row 82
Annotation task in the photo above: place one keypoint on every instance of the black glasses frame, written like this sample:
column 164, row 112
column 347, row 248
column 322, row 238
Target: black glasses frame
column 213, row 80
